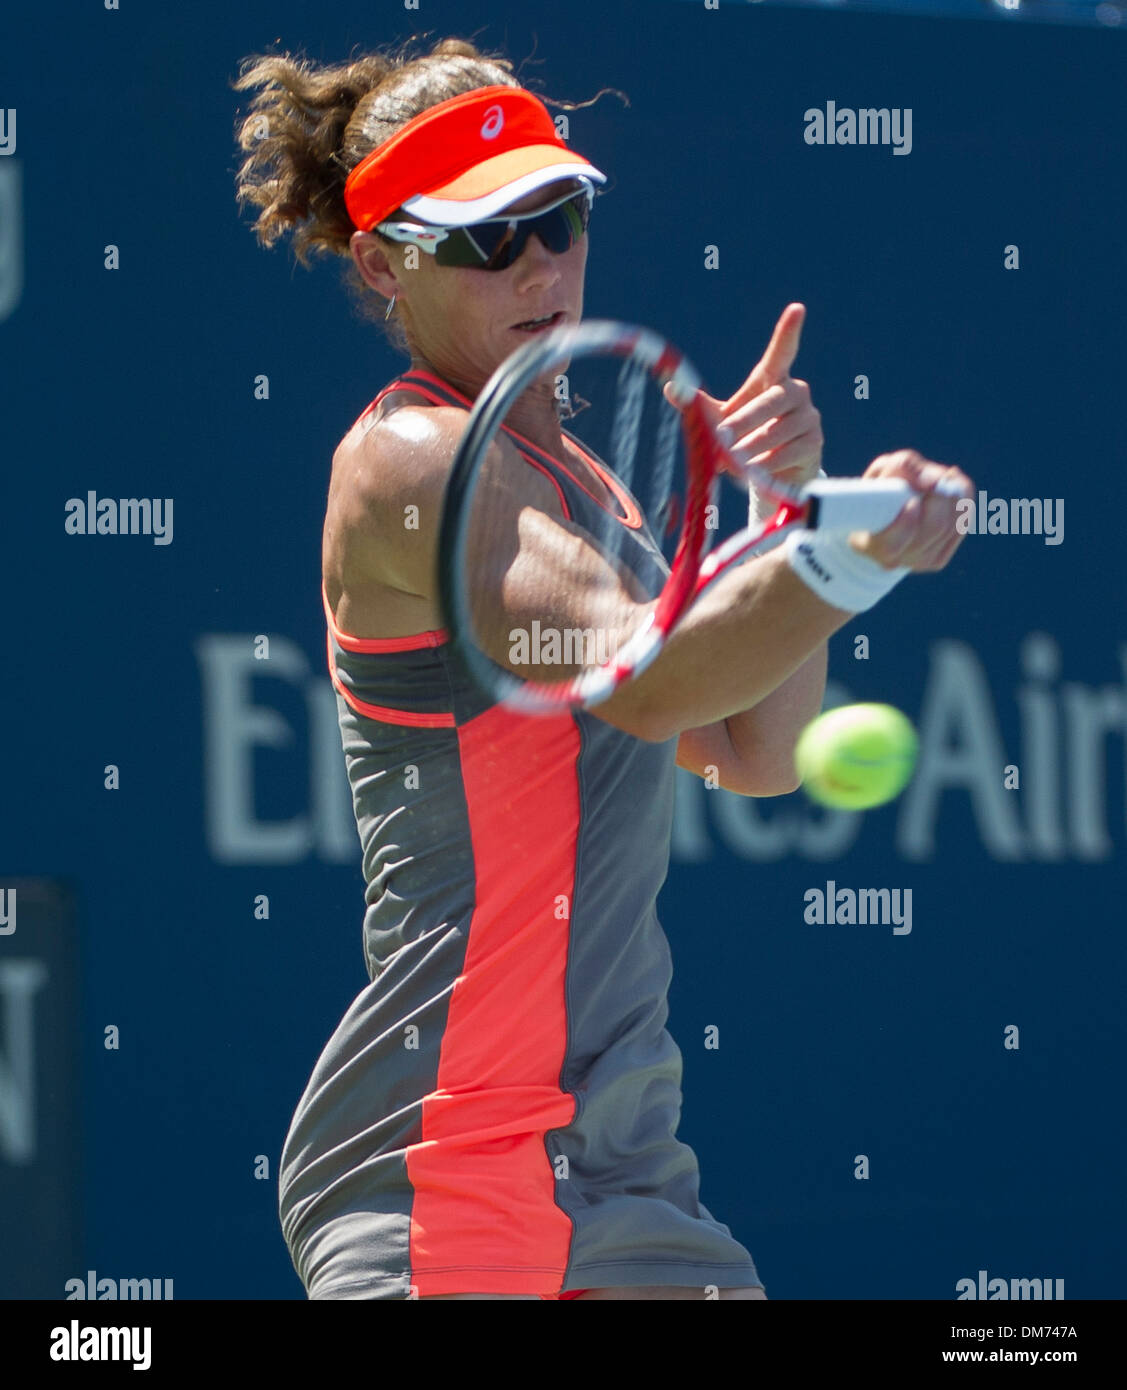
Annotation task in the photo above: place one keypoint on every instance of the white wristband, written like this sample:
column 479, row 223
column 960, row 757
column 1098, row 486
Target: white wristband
column 838, row 574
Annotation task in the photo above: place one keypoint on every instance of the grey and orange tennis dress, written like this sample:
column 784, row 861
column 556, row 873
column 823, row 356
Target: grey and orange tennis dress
column 497, row 1110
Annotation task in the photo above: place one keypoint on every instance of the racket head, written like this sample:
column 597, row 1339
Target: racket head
column 517, row 566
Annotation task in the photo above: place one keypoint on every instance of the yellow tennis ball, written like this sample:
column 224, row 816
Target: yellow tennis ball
column 856, row 756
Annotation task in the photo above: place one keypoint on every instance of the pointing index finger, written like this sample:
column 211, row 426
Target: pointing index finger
column 775, row 364
column 783, row 347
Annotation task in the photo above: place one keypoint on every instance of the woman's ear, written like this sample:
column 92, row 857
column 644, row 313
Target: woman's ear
column 370, row 255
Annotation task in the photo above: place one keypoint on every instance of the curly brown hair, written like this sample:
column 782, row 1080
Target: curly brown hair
column 310, row 125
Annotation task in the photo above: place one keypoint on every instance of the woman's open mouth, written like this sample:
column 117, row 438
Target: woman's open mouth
column 539, row 325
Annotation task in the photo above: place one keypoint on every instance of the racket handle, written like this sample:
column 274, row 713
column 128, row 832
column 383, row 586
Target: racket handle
column 861, row 504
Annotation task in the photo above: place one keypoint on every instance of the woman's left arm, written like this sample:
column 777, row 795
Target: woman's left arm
column 771, row 422
column 752, row 753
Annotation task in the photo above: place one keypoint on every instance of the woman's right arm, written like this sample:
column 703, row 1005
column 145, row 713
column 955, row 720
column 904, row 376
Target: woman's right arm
column 738, row 643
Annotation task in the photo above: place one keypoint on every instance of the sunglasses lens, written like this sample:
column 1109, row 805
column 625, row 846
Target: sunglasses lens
column 573, row 220
column 561, row 228
column 495, row 245
column 463, row 248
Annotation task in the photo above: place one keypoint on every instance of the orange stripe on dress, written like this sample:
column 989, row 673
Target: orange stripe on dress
column 383, row 714
column 484, row 1217
column 412, row 643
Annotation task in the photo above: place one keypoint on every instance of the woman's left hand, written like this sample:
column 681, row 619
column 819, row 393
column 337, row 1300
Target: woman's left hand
column 771, row 420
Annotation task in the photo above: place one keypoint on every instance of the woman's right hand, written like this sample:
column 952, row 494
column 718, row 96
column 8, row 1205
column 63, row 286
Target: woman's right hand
column 924, row 536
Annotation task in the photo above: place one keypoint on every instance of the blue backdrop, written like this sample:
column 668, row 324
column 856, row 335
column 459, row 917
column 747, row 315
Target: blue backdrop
column 965, row 298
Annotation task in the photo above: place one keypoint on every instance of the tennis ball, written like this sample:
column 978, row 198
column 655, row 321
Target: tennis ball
column 856, row 756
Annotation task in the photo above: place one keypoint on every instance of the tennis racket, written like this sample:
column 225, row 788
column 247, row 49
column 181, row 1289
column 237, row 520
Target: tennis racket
column 554, row 605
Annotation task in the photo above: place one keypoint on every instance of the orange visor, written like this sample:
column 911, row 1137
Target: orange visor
column 464, row 160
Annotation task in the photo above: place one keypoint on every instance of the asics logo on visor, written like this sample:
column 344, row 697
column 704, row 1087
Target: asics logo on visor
column 491, row 126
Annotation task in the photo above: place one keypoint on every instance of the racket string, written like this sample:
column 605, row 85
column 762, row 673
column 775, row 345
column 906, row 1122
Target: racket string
column 663, row 503
column 627, row 411
column 629, row 402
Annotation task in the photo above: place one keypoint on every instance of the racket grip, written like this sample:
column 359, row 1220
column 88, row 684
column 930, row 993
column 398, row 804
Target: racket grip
column 861, row 504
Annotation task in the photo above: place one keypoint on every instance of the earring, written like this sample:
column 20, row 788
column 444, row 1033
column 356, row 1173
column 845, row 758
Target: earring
column 390, row 306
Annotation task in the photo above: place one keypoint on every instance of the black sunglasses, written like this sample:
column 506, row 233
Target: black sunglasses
column 496, row 243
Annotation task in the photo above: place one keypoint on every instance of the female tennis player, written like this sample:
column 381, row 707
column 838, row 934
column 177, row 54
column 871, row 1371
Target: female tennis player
column 495, row 1116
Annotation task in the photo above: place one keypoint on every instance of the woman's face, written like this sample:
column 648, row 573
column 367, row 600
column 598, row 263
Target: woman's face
column 461, row 319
